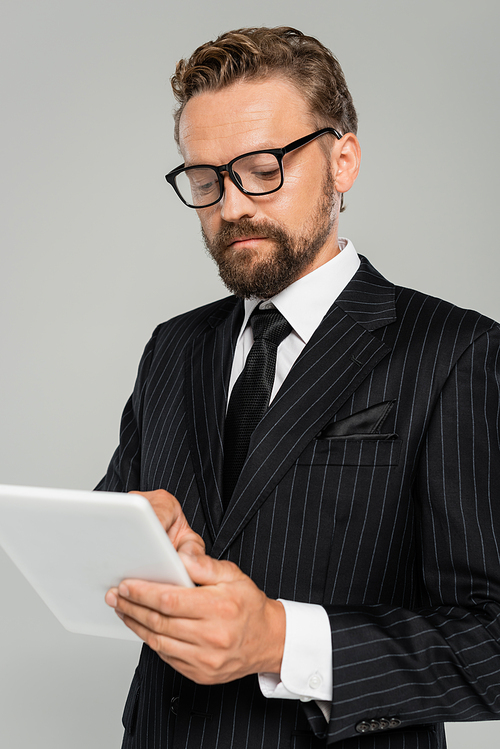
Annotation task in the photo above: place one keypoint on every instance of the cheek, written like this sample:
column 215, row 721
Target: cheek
column 293, row 207
column 210, row 220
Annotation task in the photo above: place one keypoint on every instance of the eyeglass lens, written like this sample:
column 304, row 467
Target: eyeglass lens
column 259, row 173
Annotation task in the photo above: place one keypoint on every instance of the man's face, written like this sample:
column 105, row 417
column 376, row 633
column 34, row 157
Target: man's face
column 262, row 244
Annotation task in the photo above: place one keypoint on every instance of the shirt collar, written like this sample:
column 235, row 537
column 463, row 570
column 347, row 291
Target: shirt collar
column 305, row 302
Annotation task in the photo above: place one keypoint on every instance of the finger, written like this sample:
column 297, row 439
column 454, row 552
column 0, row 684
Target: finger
column 111, row 597
column 165, row 505
column 174, row 628
column 170, row 514
column 169, row 600
column 204, row 570
column 194, row 661
column 192, row 546
column 177, row 639
column 152, row 620
column 168, row 648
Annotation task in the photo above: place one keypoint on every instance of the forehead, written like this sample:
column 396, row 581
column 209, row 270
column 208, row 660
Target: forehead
column 246, row 116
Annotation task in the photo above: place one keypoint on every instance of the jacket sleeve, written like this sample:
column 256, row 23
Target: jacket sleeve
column 124, row 470
column 440, row 661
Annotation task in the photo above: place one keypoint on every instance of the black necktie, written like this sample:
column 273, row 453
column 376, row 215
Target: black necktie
column 251, row 392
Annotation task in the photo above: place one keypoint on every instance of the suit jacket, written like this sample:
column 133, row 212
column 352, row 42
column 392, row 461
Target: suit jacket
column 371, row 487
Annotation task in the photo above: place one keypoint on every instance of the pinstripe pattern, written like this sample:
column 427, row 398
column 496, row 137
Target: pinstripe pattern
column 397, row 538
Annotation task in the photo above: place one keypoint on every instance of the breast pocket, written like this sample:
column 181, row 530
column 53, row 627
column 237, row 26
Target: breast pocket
column 341, row 487
column 384, row 450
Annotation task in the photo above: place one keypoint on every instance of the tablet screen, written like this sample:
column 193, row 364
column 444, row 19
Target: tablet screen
column 72, row 546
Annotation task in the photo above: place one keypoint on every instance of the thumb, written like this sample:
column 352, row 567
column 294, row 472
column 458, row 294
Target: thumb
column 205, row 570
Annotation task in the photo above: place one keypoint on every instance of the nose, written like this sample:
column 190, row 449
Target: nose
column 234, row 204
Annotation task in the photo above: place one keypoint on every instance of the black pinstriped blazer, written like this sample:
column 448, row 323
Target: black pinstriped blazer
column 371, row 487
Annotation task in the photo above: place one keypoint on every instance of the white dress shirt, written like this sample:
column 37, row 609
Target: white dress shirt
column 306, row 669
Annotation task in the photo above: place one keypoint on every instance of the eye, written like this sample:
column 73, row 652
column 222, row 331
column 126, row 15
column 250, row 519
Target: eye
column 268, row 172
column 258, row 172
column 263, row 167
column 203, row 188
column 202, row 183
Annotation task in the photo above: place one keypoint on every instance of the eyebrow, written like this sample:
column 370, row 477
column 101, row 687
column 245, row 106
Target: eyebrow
column 266, row 146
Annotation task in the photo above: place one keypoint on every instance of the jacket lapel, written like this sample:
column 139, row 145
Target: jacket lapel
column 207, row 371
column 341, row 353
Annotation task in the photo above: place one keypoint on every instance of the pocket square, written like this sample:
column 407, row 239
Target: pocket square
column 366, row 424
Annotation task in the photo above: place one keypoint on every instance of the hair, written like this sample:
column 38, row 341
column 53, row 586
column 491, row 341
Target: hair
column 260, row 53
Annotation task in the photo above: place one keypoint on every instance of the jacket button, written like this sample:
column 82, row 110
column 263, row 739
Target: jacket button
column 394, row 723
column 363, row 727
column 174, row 704
column 374, row 725
column 383, row 723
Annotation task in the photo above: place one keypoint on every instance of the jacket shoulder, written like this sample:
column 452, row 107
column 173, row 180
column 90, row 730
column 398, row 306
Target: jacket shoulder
column 408, row 319
column 380, row 305
column 442, row 317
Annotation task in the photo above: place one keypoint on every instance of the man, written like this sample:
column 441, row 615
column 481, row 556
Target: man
column 363, row 497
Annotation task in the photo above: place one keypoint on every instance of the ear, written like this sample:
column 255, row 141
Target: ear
column 346, row 158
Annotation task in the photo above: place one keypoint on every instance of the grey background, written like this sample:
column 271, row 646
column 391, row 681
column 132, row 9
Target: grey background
column 96, row 250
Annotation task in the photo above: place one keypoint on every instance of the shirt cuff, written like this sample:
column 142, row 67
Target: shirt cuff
column 306, row 668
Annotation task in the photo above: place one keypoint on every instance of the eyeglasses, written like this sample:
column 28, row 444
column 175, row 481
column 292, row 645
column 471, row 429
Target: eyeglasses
column 254, row 173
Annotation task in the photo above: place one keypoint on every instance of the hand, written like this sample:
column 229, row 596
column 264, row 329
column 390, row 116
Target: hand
column 170, row 515
column 223, row 630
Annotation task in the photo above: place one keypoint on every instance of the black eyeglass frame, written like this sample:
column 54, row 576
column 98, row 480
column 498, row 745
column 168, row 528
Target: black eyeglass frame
column 279, row 153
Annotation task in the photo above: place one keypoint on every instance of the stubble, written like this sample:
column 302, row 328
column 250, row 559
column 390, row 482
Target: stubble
column 248, row 273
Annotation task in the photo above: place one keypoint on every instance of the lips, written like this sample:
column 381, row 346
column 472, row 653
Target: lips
column 237, row 240
column 234, row 236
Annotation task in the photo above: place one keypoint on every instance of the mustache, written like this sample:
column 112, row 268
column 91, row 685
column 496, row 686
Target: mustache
column 246, row 228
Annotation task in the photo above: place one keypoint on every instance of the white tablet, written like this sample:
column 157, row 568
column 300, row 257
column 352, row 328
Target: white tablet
column 72, row 546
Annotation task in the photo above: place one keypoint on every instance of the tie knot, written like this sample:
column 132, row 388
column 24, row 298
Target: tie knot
column 269, row 324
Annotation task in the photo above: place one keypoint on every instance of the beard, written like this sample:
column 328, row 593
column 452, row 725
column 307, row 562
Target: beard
column 248, row 274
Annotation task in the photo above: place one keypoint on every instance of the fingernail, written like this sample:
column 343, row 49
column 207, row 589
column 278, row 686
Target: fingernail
column 111, row 599
column 119, row 613
column 123, row 590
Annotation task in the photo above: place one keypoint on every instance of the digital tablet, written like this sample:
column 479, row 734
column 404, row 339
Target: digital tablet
column 72, row 546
